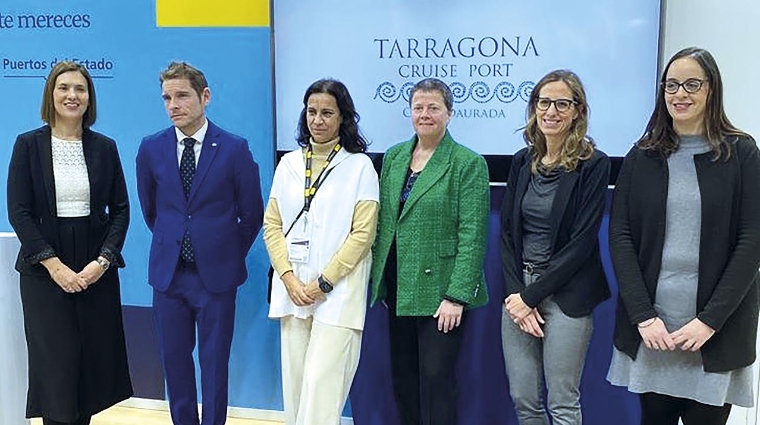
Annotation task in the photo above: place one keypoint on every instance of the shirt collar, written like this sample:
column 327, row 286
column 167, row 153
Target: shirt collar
column 198, row 135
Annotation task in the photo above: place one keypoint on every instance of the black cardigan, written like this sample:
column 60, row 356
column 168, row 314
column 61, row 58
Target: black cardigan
column 32, row 203
column 729, row 249
column 575, row 275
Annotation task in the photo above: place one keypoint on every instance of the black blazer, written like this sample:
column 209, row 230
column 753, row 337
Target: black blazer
column 32, row 205
column 729, row 249
column 575, row 275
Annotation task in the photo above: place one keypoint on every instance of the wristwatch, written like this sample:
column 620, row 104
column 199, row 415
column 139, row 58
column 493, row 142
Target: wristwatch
column 324, row 285
column 104, row 264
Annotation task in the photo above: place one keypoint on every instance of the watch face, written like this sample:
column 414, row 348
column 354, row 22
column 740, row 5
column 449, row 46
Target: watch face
column 324, row 286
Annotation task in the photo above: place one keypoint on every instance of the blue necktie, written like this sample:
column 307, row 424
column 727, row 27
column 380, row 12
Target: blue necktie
column 187, row 172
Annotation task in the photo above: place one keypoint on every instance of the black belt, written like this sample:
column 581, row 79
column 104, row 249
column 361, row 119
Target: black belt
column 531, row 268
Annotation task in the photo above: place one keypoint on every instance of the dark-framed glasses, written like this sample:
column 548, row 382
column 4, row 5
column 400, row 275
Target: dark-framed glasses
column 561, row 105
column 692, row 85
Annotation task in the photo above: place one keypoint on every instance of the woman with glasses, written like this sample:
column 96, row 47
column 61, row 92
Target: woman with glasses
column 550, row 220
column 685, row 243
column 431, row 244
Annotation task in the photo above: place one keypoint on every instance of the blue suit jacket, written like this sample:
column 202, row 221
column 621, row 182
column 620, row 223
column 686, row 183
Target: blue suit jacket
column 224, row 210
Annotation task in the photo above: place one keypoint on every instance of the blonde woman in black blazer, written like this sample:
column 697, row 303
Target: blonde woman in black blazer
column 67, row 202
column 550, row 221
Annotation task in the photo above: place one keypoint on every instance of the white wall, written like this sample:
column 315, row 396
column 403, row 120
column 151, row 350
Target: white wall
column 730, row 30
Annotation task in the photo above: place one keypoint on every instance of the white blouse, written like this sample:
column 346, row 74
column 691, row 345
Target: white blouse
column 72, row 184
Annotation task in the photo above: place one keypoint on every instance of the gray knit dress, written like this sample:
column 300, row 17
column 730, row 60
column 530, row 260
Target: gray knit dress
column 680, row 373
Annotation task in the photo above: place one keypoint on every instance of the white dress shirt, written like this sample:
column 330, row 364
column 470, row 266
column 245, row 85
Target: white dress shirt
column 198, row 136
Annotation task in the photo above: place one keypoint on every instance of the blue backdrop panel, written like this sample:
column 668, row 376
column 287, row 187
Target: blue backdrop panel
column 125, row 51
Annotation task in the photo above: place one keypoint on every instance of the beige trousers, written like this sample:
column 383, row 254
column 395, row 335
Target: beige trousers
column 318, row 365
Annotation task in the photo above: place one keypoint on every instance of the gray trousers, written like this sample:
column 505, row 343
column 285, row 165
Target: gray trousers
column 557, row 359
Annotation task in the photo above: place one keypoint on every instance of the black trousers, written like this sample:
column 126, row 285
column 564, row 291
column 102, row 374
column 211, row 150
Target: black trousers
column 423, row 365
column 659, row 409
column 75, row 342
column 83, row 420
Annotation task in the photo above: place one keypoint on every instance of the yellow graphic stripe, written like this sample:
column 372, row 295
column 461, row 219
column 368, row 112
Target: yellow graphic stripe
column 212, row 13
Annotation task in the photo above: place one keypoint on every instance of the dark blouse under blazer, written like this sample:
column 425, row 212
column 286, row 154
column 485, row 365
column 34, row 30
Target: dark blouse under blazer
column 32, row 205
column 575, row 275
column 729, row 249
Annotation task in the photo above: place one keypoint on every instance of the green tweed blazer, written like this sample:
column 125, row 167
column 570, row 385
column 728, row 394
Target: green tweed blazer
column 441, row 234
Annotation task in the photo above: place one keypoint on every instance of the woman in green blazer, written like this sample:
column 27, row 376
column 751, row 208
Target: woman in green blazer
column 429, row 252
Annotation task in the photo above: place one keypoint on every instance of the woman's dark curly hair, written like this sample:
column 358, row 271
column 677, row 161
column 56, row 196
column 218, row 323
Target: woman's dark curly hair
column 350, row 136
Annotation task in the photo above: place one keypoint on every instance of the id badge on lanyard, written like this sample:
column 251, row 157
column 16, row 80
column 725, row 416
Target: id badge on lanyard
column 299, row 242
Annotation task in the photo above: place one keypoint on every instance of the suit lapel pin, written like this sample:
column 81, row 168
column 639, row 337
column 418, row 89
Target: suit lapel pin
column 213, row 144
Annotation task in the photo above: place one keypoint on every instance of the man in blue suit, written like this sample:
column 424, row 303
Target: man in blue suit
column 200, row 196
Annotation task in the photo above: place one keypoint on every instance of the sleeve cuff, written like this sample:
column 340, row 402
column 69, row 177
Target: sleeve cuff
column 636, row 319
column 529, row 298
column 328, row 276
column 454, row 300
column 284, row 270
column 712, row 324
column 107, row 254
column 46, row 253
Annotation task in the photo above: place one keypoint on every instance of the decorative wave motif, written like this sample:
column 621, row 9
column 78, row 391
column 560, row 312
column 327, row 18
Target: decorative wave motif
column 479, row 91
column 389, row 94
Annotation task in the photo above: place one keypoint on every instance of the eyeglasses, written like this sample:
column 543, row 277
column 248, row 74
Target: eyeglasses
column 561, row 105
column 692, row 85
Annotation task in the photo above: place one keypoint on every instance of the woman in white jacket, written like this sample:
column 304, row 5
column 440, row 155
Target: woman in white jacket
column 319, row 227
